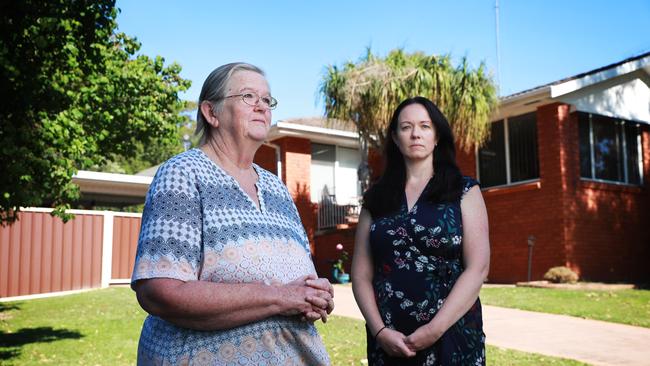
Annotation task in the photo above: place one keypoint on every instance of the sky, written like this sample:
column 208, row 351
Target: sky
column 540, row 41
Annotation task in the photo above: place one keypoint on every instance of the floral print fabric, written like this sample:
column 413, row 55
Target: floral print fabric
column 198, row 224
column 417, row 256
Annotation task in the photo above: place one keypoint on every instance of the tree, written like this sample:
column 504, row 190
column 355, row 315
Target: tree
column 157, row 150
column 73, row 93
column 368, row 91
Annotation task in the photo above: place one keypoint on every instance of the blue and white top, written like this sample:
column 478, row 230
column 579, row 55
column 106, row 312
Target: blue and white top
column 198, row 224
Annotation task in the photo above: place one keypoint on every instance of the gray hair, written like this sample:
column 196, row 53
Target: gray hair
column 214, row 90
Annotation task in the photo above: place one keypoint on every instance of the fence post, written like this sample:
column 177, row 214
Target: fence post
column 107, row 248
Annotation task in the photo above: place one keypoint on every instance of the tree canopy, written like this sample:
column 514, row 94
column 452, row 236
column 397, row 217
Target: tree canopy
column 367, row 93
column 157, row 150
column 75, row 92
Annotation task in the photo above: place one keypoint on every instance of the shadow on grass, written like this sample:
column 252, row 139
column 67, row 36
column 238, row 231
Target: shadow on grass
column 6, row 307
column 9, row 354
column 13, row 341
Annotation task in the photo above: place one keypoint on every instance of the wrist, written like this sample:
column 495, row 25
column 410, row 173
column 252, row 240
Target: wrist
column 379, row 331
column 433, row 329
column 279, row 297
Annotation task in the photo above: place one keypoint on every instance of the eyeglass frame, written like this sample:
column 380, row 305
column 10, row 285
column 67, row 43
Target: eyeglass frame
column 271, row 106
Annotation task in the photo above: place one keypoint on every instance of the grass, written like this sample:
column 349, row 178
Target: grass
column 98, row 327
column 345, row 339
column 505, row 357
column 620, row 306
column 102, row 327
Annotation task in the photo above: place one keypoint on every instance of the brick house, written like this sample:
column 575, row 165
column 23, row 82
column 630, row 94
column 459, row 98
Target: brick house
column 564, row 176
column 318, row 161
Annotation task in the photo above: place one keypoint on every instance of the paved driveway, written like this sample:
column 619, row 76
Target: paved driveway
column 591, row 341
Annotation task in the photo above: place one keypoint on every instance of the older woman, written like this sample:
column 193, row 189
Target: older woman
column 223, row 264
column 422, row 248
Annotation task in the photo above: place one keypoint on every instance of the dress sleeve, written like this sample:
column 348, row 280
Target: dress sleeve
column 468, row 183
column 169, row 245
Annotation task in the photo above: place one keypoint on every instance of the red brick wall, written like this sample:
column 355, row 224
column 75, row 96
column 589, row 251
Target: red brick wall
column 296, row 174
column 607, row 237
column 556, row 135
column 266, row 158
column 326, row 250
column 533, row 209
column 376, row 163
column 466, row 161
column 594, row 228
column 597, row 229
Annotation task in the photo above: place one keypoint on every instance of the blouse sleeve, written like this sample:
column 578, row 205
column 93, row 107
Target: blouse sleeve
column 468, row 183
column 169, row 244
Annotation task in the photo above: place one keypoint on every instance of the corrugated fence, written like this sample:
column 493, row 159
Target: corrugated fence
column 40, row 254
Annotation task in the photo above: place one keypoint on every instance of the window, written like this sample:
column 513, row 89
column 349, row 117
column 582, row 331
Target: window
column 347, row 183
column 334, row 174
column 323, row 159
column 610, row 149
column 510, row 156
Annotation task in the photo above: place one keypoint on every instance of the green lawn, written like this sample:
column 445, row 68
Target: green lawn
column 345, row 339
column 101, row 327
column 98, row 327
column 620, row 306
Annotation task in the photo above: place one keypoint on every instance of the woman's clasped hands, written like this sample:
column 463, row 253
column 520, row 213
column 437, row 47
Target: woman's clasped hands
column 397, row 344
column 308, row 296
column 393, row 343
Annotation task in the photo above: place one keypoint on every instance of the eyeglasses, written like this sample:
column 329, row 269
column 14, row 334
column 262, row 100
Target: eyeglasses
column 252, row 99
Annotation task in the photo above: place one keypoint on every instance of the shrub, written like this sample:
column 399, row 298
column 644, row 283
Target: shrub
column 561, row 275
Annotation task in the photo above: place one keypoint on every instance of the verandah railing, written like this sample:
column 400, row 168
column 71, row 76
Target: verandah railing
column 331, row 214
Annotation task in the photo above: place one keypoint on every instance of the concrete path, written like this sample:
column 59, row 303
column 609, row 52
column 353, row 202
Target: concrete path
column 590, row 341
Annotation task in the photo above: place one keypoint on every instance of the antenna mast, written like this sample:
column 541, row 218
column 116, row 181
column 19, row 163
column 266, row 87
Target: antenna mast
column 496, row 11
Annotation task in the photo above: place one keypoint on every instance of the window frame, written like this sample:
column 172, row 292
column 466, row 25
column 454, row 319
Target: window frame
column 620, row 135
column 506, row 141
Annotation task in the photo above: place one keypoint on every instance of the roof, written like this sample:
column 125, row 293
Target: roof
column 110, row 188
column 149, row 172
column 519, row 102
column 575, row 77
column 123, row 188
column 317, row 129
column 619, row 90
column 330, row 123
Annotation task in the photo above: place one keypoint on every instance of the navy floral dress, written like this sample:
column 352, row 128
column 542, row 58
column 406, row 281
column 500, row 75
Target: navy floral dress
column 417, row 258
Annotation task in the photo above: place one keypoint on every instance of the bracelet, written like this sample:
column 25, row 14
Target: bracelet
column 379, row 331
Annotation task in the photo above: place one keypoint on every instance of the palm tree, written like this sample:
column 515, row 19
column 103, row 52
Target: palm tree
column 367, row 92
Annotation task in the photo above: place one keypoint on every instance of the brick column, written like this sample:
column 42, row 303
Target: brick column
column 296, row 173
column 265, row 157
column 466, row 161
column 557, row 165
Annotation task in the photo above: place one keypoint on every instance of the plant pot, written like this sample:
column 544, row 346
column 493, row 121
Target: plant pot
column 343, row 278
column 335, row 274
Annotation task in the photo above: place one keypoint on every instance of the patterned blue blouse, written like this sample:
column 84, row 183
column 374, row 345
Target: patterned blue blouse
column 198, row 224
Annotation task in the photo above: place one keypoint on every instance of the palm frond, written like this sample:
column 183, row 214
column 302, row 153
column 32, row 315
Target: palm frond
column 368, row 91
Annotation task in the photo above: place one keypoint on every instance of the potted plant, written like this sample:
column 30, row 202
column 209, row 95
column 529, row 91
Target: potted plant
column 338, row 266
